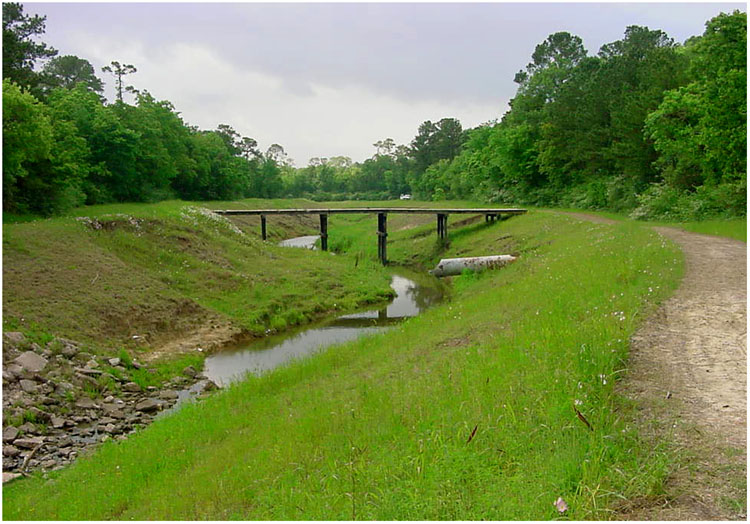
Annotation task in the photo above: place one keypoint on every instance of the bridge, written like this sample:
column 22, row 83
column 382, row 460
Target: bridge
column 490, row 215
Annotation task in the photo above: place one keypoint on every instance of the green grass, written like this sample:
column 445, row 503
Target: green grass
column 379, row 428
column 735, row 228
column 160, row 270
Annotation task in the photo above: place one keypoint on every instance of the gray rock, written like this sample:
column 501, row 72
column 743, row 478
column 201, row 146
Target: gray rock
column 27, row 427
column 49, row 464
column 14, row 338
column 10, row 434
column 28, row 442
column 109, row 428
column 88, row 371
column 69, row 351
column 148, row 405
column 8, row 476
column 30, row 361
column 114, row 362
column 131, row 387
column 92, row 364
column 168, row 394
column 109, row 398
column 39, row 415
column 29, row 386
column 86, row 403
column 10, row 451
column 189, row 371
column 57, row 422
column 15, row 369
column 8, row 376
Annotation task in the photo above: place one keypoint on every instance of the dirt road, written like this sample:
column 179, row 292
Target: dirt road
column 688, row 373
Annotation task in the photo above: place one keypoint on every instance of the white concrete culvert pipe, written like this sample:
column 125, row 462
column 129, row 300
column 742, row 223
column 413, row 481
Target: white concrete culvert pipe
column 454, row 266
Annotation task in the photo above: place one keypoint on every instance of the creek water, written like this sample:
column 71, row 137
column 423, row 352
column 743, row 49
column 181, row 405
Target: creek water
column 414, row 294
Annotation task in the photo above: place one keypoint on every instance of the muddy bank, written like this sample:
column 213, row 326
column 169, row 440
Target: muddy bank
column 59, row 401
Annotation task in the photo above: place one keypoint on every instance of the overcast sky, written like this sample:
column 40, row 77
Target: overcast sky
column 332, row 79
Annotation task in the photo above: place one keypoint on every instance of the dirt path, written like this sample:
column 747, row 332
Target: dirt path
column 688, row 374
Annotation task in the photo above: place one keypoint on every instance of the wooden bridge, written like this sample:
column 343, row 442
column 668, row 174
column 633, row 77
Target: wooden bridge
column 490, row 215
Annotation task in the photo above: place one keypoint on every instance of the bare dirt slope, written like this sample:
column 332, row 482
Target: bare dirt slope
column 688, row 374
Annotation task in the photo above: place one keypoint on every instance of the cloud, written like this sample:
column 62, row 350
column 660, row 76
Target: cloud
column 308, row 119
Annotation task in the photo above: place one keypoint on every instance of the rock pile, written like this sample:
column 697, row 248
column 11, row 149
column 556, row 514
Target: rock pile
column 59, row 400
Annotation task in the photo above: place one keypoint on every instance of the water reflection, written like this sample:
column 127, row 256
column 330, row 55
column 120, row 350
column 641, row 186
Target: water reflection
column 263, row 355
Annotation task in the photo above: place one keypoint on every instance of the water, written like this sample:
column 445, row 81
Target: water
column 264, row 355
column 306, row 242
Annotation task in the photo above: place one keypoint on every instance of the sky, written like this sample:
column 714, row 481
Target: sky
column 331, row 79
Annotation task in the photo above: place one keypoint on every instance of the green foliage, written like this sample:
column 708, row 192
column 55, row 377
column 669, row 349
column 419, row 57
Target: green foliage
column 20, row 50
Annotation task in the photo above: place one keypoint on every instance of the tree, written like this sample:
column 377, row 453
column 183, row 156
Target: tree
column 20, row 50
column 68, row 71
column 436, row 141
column 119, row 70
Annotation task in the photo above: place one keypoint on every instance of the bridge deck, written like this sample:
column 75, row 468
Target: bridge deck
column 491, row 214
column 318, row 211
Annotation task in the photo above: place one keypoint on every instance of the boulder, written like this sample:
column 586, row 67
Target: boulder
column 10, row 434
column 168, row 394
column 29, row 386
column 31, row 362
column 148, row 405
column 28, row 442
column 114, row 362
column 69, row 351
column 57, row 422
column 15, row 369
column 27, row 427
column 8, row 476
column 189, row 371
column 10, row 451
column 86, row 403
column 131, row 387
column 14, row 338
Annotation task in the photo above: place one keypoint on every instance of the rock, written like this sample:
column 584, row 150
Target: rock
column 86, row 403
column 27, row 427
column 168, row 394
column 49, row 464
column 10, row 434
column 10, row 451
column 29, row 386
column 105, row 438
column 8, row 476
column 113, row 411
column 30, row 361
column 114, row 362
column 15, row 369
column 28, row 442
column 57, row 422
column 151, row 388
column 39, row 415
column 14, row 338
column 109, row 428
column 49, row 401
column 131, row 387
column 148, row 405
column 137, row 365
column 109, row 398
column 88, row 371
column 189, row 371
column 92, row 364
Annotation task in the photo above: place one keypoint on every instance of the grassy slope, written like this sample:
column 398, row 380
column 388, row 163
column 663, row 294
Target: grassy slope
column 732, row 228
column 378, row 428
column 165, row 272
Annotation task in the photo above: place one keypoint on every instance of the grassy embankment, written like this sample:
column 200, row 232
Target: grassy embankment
column 731, row 227
column 466, row 412
column 166, row 273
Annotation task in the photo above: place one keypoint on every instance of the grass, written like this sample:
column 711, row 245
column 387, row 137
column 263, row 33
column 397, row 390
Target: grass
column 464, row 413
column 735, row 228
column 158, row 271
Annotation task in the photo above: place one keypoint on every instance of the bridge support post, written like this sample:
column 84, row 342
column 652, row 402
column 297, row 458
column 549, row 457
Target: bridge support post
column 263, row 226
column 382, row 237
column 442, row 226
column 324, row 232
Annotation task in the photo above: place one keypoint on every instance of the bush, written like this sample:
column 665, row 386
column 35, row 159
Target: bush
column 662, row 202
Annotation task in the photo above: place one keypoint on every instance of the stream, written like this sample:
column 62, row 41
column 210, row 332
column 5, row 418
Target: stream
column 260, row 356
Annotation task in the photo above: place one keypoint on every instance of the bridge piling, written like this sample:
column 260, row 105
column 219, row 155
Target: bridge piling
column 382, row 237
column 324, row 232
column 263, row 226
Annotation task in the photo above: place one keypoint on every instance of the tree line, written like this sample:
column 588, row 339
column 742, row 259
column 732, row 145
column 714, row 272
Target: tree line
column 647, row 126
